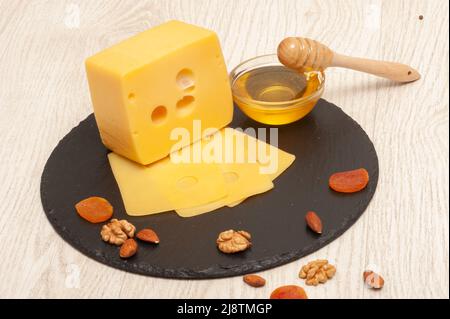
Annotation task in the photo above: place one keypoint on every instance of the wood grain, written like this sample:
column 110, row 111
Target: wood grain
column 405, row 231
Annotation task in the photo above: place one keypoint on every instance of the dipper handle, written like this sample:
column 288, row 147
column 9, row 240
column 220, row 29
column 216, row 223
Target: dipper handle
column 298, row 53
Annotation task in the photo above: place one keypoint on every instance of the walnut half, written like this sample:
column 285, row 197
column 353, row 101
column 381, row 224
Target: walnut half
column 231, row 241
column 317, row 272
column 117, row 231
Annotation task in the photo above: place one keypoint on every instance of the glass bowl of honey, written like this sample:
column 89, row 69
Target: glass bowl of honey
column 270, row 93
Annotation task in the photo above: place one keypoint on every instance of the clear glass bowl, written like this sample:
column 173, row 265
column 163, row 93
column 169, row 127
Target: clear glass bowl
column 282, row 112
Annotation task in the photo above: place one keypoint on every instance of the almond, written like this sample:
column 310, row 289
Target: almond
column 148, row 235
column 313, row 221
column 254, row 280
column 129, row 248
column 373, row 280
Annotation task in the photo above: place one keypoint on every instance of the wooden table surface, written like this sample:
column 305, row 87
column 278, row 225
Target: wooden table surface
column 405, row 230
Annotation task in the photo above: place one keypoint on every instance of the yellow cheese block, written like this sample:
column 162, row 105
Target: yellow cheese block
column 161, row 79
column 164, row 186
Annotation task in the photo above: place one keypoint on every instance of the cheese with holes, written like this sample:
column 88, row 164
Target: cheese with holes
column 227, row 177
column 285, row 160
column 245, row 179
column 242, row 180
column 139, row 193
column 161, row 79
column 164, row 186
column 272, row 160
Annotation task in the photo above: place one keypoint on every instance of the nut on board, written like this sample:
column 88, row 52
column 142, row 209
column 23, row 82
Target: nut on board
column 117, row 231
column 314, row 222
column 148, row 235
column 230, row 241
column 128, row 249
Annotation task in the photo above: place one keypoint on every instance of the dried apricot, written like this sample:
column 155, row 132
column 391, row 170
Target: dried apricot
column 289, row 292
column 94, row 209
column 349, row 181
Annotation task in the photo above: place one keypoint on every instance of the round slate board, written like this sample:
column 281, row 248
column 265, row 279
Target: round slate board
column 324, row 142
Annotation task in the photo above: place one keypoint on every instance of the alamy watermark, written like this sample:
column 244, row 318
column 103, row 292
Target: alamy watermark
column 226, row 146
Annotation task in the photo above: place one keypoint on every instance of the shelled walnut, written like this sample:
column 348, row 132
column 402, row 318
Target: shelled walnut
column 117, row 231
column 317, row 271
column 231, row 241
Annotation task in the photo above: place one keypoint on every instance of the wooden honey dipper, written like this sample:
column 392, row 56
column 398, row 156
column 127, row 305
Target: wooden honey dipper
column 298, row 53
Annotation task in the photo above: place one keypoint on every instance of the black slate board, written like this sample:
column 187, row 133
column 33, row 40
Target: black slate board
column 325, row 141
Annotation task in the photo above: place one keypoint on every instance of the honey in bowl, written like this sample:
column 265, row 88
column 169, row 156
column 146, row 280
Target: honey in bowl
column 270, row 93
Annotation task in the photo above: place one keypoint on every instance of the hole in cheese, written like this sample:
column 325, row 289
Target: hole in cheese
column 159, row 114
column 187, row 182
column 185, row 79
column 131, row 97
column 185, row 105
column 190, row 89
column 230, row 177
